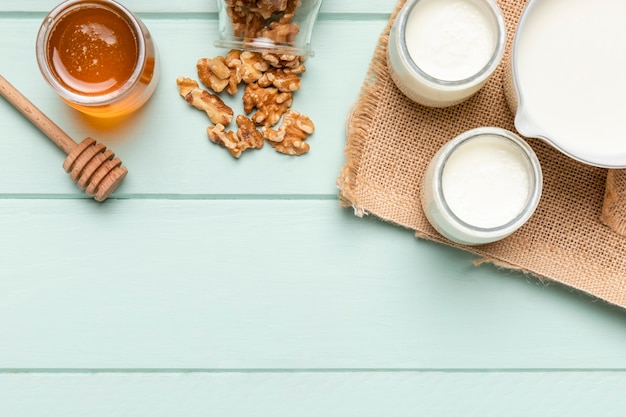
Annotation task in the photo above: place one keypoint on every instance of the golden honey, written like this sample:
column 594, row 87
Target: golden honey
column 98, row 57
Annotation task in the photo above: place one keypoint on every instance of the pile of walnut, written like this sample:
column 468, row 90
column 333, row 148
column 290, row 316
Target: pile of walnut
column 269, row 19
column 270, row 82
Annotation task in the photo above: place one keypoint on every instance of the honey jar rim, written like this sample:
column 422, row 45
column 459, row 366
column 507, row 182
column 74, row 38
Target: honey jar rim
column 45, row 66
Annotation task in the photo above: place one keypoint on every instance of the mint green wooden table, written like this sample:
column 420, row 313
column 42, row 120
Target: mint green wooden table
column 210, row 286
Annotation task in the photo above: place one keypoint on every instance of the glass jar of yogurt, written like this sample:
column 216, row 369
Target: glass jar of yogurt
column 441, row 52
column 481, row 186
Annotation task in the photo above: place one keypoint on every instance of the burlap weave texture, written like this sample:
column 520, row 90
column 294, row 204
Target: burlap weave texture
column 573, row 237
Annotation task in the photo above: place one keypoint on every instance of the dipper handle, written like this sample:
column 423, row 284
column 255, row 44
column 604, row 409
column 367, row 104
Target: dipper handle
column 32, row 113
column 93, row 167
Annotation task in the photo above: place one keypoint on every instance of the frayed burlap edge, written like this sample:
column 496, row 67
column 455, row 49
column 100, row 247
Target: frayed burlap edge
column 360, row 120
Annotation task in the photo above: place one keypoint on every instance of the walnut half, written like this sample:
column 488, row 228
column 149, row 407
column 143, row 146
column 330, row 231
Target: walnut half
column 285, row 82
column 270, row 103
column 222, row 72
column 290, row 136
column 247, row 136
column 213, row 106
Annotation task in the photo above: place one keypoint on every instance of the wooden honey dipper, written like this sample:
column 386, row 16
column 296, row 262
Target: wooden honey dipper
column 93, row 167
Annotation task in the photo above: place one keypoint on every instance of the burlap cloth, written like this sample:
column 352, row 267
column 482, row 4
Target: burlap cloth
column 575, row 237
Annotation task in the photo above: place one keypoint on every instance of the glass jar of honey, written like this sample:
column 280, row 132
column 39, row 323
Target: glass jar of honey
column 98, row 57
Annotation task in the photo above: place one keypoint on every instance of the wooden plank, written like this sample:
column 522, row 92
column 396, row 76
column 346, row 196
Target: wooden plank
column 266, row 284
column 475, row 394
column 165, row 145
column 205, row 6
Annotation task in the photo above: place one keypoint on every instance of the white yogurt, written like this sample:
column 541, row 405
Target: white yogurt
column 486, row 181
column 450, row 39
column 440, row 52
column 481, row 186
column 569, row 57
